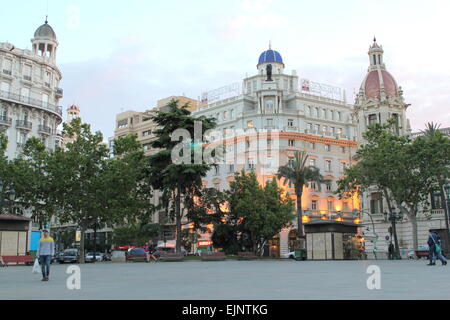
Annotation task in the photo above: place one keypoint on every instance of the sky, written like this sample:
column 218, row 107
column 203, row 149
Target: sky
column 125, row 55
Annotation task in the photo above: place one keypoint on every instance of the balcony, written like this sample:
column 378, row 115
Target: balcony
column 27, row 78
column 5, row 121
column 23, row 124
column 291, row 129
column 31, row 102
column 330, row 215
column 59, row 92
column 44, row 130
column 8, row 72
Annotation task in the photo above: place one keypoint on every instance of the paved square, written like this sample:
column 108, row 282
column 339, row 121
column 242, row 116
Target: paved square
column 266, row 279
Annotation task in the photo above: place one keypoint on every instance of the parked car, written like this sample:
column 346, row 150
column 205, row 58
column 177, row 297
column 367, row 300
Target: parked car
column 70, row 256
column 289, row 255
column 107, row 257
column 137, row 254
column 89, row 257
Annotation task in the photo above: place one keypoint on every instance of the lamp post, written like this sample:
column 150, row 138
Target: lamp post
column 393, row 217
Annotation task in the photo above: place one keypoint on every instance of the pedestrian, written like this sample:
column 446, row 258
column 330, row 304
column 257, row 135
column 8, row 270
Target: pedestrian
column 391, row 251
column 434, row 243
column 45, row 252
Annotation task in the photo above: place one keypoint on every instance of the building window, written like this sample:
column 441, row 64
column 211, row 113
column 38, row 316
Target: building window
column 339, row 116
column 309, row 126
column 313, row 185
column 231, row 168
column 342, row 167
column 232, row 113
column 308, row 110
column 343, row 149
column 316, row 112
column 327, row 147
column 250, row 124
column 225, row 115
column 436, row 202
column 314, row 205
column 290, row 122
column 146, row 133
column 312, row 162
column 328, row 165
column 328, row 185
column 251, row 164
column 146, row 146
column 372, row 119
column 376, row 203
column 291, row 143
column 269, row 122
column 317, row 127
column 330, row 205
column 312, row 145
column 122, row 123
column 216, row 170
column 333, row 130
column 331, row 114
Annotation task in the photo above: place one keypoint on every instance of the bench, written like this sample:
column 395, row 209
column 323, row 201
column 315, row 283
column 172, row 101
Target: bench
column 169, row 256
column 422, row 253
column 246, row 256
column 213, row 256
column 17, row 259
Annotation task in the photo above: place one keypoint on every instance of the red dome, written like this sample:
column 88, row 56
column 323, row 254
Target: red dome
column 372, row 84
column 73, row 107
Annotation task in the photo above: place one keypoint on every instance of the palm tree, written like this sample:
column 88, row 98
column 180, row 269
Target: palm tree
column 299, row 174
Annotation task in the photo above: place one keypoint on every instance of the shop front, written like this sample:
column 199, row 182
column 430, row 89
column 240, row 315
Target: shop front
column 332, row 240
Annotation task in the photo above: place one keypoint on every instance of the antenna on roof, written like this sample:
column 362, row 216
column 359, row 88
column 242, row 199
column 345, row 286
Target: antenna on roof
column 374, row 39
column 46, row 16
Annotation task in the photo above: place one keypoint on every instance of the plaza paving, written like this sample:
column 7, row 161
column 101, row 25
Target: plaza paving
column 224, row 280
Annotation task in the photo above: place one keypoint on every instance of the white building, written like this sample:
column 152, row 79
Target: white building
column 29, row 92
column 269, row 117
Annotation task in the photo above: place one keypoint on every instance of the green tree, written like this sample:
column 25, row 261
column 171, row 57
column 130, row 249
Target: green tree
column 299, row 174
column 28, row 177
column 253, row 214
column 393, row 165
column 92, row 189
column 179, row 182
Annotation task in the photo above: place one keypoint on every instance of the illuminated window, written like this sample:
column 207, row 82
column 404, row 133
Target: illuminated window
column 330, row 205
column 314, row 205
column 250, row 124
column 312, row 162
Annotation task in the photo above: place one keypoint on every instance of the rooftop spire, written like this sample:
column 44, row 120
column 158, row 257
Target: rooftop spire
column 46, row 19
column 270, row 45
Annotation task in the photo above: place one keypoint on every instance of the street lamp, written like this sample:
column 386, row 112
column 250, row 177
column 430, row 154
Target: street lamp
column 393, row 217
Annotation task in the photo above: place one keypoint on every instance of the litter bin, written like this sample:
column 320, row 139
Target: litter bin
column 300, row 254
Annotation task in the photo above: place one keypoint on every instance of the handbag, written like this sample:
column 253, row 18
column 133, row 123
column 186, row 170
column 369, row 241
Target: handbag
column 437, row 246
column 36, row 267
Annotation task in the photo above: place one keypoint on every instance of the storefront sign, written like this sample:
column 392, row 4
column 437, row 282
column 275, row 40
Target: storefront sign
column 204, row 243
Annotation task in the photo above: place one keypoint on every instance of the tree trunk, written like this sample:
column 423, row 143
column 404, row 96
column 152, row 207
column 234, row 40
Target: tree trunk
column 414, row 230
column 95, row 242
column 300, row 233
column 82, row 231
column 178, row 221
column 394, row 228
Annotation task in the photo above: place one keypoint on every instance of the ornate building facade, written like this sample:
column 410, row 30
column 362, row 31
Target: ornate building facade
column 30, row 92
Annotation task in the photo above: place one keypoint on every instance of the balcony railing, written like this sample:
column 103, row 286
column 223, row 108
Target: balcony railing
column 5, row 121
column 23, row 124
column 44, row 129
column 30, row 101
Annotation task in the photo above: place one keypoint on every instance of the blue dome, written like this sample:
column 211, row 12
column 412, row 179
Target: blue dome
column 270, row 56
